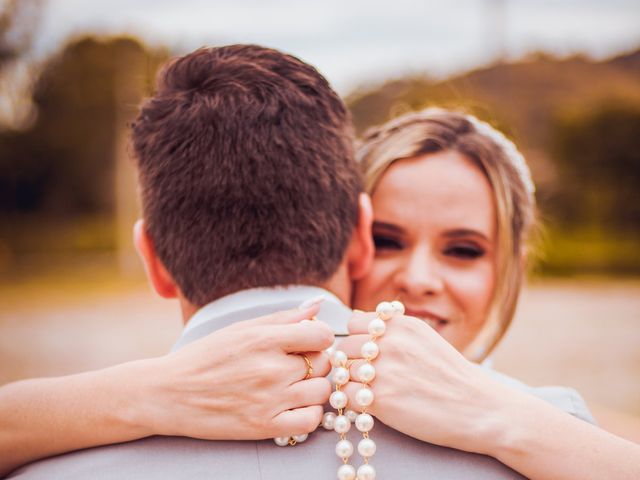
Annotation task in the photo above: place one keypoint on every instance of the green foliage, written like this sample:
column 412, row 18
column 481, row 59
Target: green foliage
column 587, row 251
column 598, row 155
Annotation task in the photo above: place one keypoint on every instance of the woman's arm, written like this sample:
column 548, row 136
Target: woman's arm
column 542, row 442
column 214, row 388
column 47, row 416
column 426, row 389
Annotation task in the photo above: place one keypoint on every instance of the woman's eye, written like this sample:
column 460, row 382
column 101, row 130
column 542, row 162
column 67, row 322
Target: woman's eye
column 464, row 252
column 386, row 243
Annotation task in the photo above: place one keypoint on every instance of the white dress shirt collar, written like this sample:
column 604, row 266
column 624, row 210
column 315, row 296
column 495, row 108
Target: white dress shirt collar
column 332, row 310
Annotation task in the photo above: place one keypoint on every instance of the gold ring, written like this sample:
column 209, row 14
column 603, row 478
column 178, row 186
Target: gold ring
column 309, row 366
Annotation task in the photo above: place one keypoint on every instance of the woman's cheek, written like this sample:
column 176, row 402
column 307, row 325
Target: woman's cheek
column 374, row 287
column 473, row 288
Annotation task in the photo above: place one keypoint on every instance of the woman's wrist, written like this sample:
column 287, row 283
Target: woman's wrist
column 486, row 415
column 134, row 387
column 509, row 427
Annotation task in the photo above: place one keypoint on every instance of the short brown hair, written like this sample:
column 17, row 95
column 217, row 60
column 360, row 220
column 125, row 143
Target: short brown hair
column 434, row 130
column 246, row 170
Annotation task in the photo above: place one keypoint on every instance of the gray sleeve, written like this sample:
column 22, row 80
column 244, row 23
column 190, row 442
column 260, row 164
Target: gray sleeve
column 566, row 399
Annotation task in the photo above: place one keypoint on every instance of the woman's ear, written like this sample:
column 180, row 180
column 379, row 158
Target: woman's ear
column 158, row 276
column 361, row 249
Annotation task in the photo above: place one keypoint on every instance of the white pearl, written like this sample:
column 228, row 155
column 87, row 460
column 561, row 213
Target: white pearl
column 339, row 359
column 338, row 400
column 366, row 472
column 328, row 420
column 369, row 350
column 398, row 307
column 367, row 447
column 281, row 441
column 301, row 438
column 377, row 327
column 330, row 351
column 364, row 422
column 340, row 376
column 385, row 310
column 364, row 397
column 366, row 372
column 344, row 449
column 342, row 424
column 351, row 415
column 346, row 472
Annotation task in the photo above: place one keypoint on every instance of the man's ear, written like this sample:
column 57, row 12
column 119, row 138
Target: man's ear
column 157, row 274
column 361, row 249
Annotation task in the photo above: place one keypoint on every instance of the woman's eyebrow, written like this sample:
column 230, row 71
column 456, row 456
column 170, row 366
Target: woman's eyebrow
column 387, row 226
column 466, row 232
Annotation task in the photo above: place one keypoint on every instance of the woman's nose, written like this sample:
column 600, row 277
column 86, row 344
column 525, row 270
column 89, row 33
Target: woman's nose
column 420, row 275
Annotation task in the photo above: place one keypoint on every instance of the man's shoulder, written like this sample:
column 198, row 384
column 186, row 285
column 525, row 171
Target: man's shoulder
column 398, row 456
column 153, row 457
column 565, row 398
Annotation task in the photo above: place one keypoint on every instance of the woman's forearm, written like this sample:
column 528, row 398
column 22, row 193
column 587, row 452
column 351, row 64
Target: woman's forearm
column 209, row 389
column 47, row 416
column 448, row 401
column 542, row 442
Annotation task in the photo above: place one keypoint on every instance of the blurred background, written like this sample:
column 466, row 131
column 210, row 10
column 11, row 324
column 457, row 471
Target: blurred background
column 562, row 78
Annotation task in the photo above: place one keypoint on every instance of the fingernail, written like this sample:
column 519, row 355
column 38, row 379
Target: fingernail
column 311, row 302
column 355, row 310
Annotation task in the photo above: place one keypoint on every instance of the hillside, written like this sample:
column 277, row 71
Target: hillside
column 523, row 98
column 577, row 122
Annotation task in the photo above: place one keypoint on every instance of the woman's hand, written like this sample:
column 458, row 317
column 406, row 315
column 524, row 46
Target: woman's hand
column 245, row 381
column 423, row 386
column 426, row 389
column 241, row 382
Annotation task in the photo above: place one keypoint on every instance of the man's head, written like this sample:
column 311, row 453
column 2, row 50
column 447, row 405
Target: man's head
column 247, row 175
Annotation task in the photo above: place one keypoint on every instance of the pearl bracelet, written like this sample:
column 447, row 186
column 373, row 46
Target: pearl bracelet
column 341, row 422
column 364, row 398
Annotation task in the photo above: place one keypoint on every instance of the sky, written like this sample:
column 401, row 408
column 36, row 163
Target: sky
column 359, row 42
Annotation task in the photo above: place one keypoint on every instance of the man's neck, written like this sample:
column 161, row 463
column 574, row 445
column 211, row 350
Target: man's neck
column 339, row 284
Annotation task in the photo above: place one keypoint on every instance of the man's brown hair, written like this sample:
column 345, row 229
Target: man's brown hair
column 246, row 171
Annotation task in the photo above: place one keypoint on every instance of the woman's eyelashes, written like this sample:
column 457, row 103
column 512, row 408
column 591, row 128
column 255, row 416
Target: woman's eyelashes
column 465, row 252
column 386, row 242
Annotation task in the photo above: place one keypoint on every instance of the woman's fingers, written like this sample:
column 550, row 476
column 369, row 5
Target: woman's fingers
column 283, row 317
column 311, row 336
column 304, row 393
column 320, row 364
column 353, row 370
column 351, row 389
column 352, row 344
column 297, row 421
column 297, row 367
column 359, row 322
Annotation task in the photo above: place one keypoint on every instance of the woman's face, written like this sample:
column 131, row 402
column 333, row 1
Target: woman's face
column 436, row 244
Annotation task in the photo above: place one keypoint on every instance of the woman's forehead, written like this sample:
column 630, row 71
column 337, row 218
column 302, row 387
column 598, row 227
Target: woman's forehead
column 444, row 189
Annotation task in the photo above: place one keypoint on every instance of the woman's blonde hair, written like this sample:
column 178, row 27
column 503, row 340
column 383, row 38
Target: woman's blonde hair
column 433, row 130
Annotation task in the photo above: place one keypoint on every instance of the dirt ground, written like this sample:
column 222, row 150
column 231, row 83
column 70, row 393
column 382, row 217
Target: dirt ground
column 584, row 334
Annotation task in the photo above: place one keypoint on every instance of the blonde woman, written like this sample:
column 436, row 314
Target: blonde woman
column 453, row 208
column 453, row 205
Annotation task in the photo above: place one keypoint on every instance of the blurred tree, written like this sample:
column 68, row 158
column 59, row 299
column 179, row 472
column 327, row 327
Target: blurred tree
column 17, row 21
column 64, row 165
column 598, row 154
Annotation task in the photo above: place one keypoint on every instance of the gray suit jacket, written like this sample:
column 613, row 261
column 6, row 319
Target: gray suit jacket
column 398, row 455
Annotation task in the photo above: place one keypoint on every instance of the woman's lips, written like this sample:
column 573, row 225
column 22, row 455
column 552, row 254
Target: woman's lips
column 434, row 321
